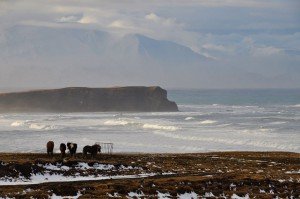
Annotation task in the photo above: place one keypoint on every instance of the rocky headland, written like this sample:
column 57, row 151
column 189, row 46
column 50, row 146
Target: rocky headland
column 82, row 99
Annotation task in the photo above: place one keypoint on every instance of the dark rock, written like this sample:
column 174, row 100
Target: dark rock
column 81, row 99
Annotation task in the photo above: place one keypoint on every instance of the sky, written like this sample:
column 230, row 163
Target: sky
column 175, row 44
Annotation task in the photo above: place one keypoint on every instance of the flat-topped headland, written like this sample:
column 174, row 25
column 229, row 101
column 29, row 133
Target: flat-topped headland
column 83, row 99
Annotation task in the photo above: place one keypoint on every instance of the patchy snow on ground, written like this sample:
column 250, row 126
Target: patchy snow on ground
column 234, row 196
column 191, row 195
column 209, row 194
column 46, row 177
column 163, row 195
column 135, row 195
column 81, row 171
column 54, row 196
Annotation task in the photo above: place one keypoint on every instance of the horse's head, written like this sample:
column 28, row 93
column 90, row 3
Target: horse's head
column 98, row 148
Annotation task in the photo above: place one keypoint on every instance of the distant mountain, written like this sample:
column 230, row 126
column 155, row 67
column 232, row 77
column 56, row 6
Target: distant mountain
column 32, row 43
column 166, row 50
column 65, row 56
column 37, row 57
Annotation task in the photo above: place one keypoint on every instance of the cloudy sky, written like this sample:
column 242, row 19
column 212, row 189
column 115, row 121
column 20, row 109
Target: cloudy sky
column 186, row 44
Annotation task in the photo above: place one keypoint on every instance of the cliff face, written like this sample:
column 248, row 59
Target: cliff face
column 80, row 99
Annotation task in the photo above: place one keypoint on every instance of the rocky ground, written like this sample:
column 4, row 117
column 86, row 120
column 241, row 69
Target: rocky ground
column 202, row 175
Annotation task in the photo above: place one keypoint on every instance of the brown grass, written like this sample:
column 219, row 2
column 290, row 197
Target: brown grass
column 221, row 173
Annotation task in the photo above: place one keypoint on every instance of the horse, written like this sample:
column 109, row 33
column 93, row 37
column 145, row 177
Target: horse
column 63, row 148
column 72, row 148
column 50, row 147
column 93, row 150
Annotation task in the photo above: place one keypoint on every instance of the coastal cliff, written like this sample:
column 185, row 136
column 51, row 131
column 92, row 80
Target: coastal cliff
column 82, row 99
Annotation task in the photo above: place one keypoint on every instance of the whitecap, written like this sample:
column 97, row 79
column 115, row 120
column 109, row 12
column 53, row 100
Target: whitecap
column 265, row 130
column 116, row 122
column 277, row 123
column 17, row 123
column 160, row 127
column 208, row 122
column 41, row 127
column 189, row 118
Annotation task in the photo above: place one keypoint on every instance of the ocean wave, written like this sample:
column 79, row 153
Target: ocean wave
column 117, row 122
column 208, row 122
column 277, row 123
column 189, row 118
column 224, row 125
column 160, row 127
column 42, row 127
column 122, row 122
column 30, row 125
column 296, row 106
column 17, row 123
column 232, row 141
column 265, row 129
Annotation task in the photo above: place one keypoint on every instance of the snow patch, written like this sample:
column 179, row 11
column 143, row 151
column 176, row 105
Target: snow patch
column 163, row 195
column 191, row 195
column 54, row 196
column 234, row 196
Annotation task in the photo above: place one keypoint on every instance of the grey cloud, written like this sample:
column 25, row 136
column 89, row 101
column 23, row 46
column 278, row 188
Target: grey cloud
column 246, row 43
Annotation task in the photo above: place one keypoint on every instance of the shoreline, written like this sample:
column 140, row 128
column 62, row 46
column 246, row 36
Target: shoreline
column 214, row 174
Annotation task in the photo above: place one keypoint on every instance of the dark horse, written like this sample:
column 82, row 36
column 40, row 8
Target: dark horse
column 93, row 150
column 72, row 148
column 50, row 147
column 63, row 149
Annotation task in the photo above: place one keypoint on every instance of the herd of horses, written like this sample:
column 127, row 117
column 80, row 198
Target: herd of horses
column 72, row 147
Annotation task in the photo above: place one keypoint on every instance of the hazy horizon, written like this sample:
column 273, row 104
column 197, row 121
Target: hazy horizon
column 201, row 44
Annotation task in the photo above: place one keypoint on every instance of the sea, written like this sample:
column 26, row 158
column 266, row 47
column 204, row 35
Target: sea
column 207, row 120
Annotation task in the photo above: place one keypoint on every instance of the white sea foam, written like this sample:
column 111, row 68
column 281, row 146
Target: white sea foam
column 189, row 118
column 116, row 122
column 194, row 128
column 231, row 141
column 160, row 127
column 17, row 123
column 276, row 123
column 41, row 126
column 264, row 130
column 121, row 122
column 208, row 122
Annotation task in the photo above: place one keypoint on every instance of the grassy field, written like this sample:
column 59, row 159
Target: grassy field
column 208, row 175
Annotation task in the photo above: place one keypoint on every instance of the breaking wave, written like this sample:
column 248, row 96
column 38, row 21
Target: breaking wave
column 160, row 127
column 117, row 122
column 121, row 122
column 17, row 123
column 30, row 125
column 208, row 122
column 42, row 127
column 189, row 118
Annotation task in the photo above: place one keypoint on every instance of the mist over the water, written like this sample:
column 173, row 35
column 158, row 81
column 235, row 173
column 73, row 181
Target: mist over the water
column 208, row 120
